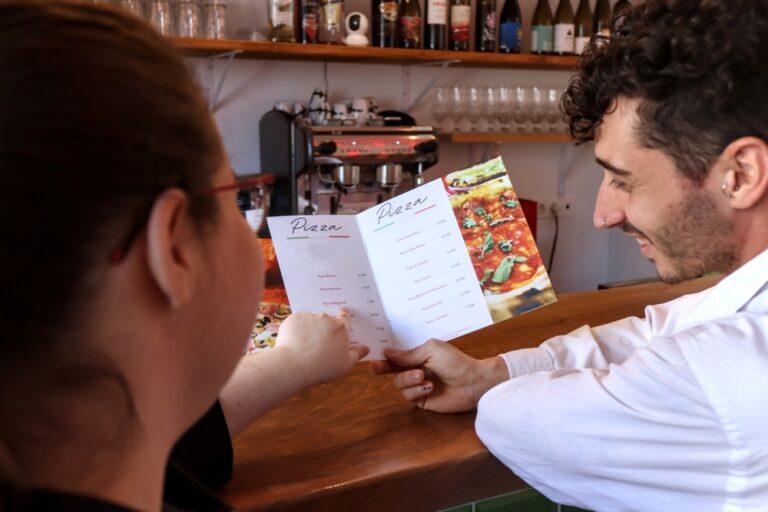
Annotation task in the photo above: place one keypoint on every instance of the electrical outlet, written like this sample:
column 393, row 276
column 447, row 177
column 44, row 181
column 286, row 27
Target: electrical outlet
column 564, row 207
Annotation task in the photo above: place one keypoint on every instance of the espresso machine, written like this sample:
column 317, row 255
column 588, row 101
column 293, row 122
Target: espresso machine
column 340, row 169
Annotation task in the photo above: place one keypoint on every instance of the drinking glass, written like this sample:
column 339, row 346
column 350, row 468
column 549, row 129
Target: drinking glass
column 538, row 109
column 504, row 111
column 553, row 115
column 215, row 14
column 458, row 105
column 475, row 106
column 490, row 106
column 440, row 107
column 161, row 16
column 188, row 18
column 521, row 108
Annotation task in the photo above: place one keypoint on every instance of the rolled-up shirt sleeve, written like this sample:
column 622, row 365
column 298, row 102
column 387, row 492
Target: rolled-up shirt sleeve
column 591, row 347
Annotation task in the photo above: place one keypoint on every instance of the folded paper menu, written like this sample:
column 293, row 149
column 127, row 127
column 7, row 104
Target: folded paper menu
column 444, row 259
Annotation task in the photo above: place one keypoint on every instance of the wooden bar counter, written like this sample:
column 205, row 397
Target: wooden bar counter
column 356, row 445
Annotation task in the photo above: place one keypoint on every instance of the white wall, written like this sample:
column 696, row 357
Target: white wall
column 585, row 256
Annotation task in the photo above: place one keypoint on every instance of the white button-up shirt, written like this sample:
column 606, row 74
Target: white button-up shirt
column 666, row 413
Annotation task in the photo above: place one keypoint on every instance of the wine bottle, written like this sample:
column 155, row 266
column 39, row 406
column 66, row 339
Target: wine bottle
column 436, row 36
column 602, row 24
column 510, row 27
column 331, row 19
column 460, row 16
column 542, row 28
column 485, row 26
column 281, row 18
column 564, row 28
column 410, row 24
column 384, row 23
column 620, row 9
column 309, row 21
column 583, row 27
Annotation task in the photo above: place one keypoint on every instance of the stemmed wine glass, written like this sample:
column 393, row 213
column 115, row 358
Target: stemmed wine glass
column 458, row 105
column 538, row 109
column 553, row 115
column 504, row 111
column 440, row 108
column 521, row 108
column 475, row 106
column 491, row 108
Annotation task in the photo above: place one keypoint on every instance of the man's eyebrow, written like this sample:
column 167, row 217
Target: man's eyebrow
column 612, row 168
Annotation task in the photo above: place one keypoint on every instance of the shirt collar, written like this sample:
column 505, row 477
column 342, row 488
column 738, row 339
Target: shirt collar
column 733, row 291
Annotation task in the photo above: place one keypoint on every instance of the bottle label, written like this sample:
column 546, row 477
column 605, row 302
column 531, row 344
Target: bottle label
column 489, row 27
column 282, row 12
column 460, row 16
column 411, row 28
column 437, row 12
column 564, row 37
column 541, row 39
column 509, row 38
column 388, row 11
column 580, row 44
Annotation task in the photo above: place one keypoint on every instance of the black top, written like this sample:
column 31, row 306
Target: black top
column 200, row 461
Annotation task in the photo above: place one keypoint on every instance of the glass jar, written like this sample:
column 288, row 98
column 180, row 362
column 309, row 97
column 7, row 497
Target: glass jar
column 135, row 7
column 188, row 18
column 215, row 15
column 331, row 20
column 281, row 15
column 161, row 16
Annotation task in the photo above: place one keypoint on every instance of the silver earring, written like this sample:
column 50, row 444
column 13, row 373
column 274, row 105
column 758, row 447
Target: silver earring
column 725, row 191
column 603, row 224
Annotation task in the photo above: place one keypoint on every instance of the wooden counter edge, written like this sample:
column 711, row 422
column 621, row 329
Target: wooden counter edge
column 454, row 480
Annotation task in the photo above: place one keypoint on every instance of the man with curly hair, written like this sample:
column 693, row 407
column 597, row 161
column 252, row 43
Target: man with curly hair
column 669, row 412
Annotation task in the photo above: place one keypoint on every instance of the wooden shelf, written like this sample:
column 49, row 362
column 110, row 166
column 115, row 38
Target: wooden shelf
column 341, row 53
column 473, row 137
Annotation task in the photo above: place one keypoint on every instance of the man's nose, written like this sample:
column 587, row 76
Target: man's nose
column 608, row 205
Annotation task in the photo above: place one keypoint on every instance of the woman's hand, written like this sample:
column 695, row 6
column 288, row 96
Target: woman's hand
column 319, row 344
column 437, row 376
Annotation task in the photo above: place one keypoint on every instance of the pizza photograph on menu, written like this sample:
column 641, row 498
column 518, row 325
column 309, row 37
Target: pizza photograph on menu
column 506, row 260
column 273, row 307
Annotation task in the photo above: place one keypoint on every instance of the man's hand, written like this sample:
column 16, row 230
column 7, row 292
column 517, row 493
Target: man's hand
column 437, row 376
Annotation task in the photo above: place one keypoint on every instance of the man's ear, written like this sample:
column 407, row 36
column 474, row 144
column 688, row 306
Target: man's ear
column 747, row 180
column 171, row 246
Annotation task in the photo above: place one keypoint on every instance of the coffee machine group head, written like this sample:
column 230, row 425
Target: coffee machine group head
column 341, row 169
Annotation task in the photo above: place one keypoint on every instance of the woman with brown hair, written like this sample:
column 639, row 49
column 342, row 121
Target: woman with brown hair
column 131, row 280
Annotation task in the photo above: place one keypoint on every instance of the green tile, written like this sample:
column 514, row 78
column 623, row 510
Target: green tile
column 528, row 500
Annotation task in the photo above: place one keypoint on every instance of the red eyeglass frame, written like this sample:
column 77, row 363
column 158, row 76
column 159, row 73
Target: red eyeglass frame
column 118, row 254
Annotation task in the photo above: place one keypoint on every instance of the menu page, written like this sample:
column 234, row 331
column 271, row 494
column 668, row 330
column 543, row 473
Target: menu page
column 325, row 267
column 439, row 261
column 423, row 271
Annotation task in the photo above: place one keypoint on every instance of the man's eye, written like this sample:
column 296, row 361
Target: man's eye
column 620, row 185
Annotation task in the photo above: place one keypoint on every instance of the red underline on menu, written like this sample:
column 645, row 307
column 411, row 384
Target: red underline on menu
column 425, row 209
column 308, row 237
column 384, row 226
